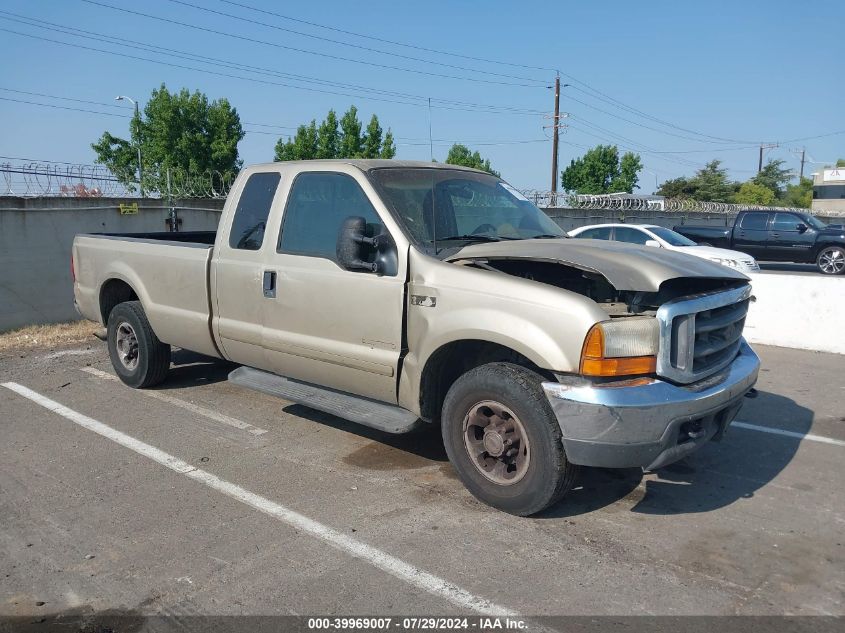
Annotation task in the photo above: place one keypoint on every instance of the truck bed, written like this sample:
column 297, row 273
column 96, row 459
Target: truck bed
column 168, row 272
column 712, row 235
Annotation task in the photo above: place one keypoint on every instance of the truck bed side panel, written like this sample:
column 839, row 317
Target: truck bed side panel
column 170, row 279
column 715, row 236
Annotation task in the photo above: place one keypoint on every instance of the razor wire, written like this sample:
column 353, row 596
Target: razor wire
column 51, row 179
column 622, row 202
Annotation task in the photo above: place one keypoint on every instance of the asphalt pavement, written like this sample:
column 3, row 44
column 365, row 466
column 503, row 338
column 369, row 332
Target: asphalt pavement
column 200, row 497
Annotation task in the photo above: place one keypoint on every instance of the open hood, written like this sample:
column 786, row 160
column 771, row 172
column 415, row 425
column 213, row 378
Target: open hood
column 625, row 266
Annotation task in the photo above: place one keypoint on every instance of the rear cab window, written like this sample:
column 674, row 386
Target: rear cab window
column 754, row 221
column 250, row 221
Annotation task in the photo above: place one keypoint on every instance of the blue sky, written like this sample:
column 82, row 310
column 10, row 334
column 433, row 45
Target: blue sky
column 680, row 82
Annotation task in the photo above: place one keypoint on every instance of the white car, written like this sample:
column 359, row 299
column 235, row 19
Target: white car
column 661, row 237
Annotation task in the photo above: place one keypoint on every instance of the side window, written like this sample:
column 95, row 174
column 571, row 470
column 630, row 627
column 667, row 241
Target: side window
column 630, row 235
column 755, row 221
column 602, row 233
column 785, row 222
column 318, row 204
column 251, row 213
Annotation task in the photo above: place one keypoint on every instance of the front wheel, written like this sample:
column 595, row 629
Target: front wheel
column 831, row 260
column 139, row 359
column 503, row 440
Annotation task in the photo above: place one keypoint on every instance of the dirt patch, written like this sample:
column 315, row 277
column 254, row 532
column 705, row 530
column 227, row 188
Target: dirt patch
column 48, row 336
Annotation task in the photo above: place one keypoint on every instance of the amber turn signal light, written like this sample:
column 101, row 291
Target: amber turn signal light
column 595, row 363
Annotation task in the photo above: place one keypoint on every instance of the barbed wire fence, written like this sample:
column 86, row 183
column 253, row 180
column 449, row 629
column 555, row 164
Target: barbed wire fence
column 27, row 178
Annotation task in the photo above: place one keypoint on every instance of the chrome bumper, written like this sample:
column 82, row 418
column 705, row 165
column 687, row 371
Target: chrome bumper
column 649, row 425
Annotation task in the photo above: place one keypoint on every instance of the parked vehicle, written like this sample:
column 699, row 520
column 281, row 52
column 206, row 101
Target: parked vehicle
column 396, row 294
column 779, row 236
column 661, row 237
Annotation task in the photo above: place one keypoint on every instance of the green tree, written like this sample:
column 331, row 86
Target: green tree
column 773, row 176
column 337, row 139
column 388, row 147
column 680, row 187
column 752, row 193
column 840, row 162
column 800, row 195
column 464, row 156
column 628, row 176
column 711, row 184
column 328, row 137
column 351, row 143
column 177, row 131
column 600, row 170
column 371, row 143
column 303, row 146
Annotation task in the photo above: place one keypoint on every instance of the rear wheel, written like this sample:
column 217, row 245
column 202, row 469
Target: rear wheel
column 831, row 260
column 138, row 357
column 504, row 441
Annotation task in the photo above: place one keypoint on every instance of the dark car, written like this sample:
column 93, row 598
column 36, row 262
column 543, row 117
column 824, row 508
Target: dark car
column 778, row 236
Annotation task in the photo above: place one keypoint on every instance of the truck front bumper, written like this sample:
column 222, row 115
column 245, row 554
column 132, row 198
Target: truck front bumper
column 649, row 423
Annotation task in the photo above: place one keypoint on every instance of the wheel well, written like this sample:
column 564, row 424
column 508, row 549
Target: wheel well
column 113, row 292
column 451, row 361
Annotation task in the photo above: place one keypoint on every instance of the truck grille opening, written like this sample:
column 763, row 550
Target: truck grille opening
column 700, row 335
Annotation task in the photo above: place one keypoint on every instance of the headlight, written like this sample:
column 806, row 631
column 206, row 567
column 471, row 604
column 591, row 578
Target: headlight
column 621, row 347
column 732, row 263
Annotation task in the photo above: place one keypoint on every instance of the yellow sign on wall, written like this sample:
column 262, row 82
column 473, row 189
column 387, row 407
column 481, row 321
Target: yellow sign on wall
column 128, row 209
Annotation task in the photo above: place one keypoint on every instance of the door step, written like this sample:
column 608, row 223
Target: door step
column 378, row 415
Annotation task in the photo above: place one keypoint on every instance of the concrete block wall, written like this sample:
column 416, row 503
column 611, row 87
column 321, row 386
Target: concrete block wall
column 36, row 235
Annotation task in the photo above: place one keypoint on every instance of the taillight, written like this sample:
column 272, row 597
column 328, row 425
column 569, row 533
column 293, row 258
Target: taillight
column 72, row 269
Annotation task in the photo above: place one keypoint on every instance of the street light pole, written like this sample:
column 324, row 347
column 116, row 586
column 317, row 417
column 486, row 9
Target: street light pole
column 137, row 118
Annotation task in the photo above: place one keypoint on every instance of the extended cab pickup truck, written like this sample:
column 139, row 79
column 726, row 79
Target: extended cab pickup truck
column 398, row 294
column 778, row 236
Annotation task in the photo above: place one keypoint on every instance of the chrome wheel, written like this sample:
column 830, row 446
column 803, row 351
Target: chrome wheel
column 127, row 345
column 832, row 260
column 496, row 442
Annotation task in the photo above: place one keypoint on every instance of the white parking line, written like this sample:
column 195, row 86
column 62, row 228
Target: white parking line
column 800, row 436
column 404, row 571
column 188, row 406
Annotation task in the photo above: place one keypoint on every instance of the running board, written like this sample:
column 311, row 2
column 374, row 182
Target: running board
column 377, row 415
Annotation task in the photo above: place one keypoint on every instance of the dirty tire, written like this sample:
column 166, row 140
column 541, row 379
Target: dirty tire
column 151, row 361
column 548, row 477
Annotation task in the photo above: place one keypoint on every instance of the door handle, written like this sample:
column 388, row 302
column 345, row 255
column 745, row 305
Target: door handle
column 775, row 234
column 269, row 284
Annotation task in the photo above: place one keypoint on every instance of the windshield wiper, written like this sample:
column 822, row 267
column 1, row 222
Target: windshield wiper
column 546, row 236
column 472, row 238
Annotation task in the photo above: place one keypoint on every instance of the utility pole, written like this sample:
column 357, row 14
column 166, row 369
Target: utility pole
column 555, row 120
column 764, row 146
column 801, row 174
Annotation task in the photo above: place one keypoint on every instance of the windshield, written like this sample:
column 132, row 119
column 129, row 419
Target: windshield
column 457, row 207
column 672, row 238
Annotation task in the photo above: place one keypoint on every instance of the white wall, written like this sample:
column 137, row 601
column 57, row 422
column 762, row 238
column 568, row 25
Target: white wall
column 806, row 312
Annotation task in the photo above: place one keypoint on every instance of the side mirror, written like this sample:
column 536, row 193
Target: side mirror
column 653, row 243
column 354, row 247
column 801, row 227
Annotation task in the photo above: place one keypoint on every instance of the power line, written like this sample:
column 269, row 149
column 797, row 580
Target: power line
column 303, row 50
column 58, row 107
column 358, row 46
column 254, row 80
column 40, row 94
column 127, row 43
column 387, row 41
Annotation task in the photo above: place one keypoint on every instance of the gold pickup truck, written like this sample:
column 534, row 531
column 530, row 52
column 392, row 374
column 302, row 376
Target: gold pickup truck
column 397, row 294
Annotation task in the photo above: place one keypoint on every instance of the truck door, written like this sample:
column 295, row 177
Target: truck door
column 787, row 242
column 750, row 233
column 237, row 271
column 325, row 324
